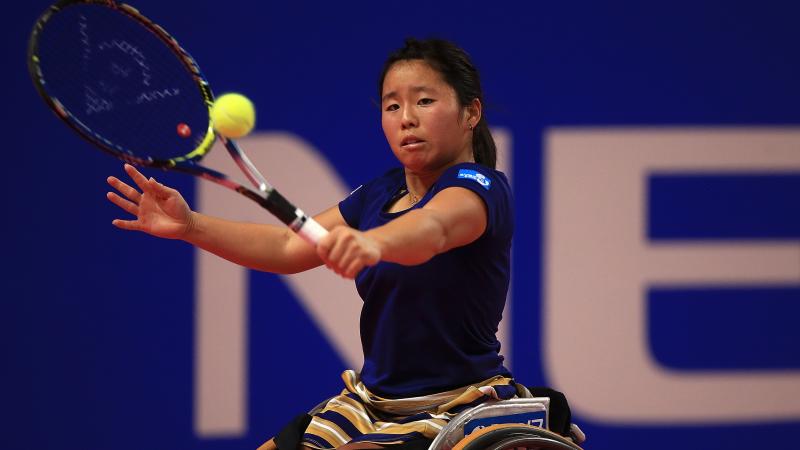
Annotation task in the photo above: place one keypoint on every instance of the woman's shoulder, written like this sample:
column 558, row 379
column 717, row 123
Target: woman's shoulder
column 492, row 187
column 474, row 173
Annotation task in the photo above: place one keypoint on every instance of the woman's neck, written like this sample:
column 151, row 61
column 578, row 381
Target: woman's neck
column 418, row 183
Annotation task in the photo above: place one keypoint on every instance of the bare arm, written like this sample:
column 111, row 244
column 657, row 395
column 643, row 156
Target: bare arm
column 162, row 211
column 452, row 218
column 268, row 248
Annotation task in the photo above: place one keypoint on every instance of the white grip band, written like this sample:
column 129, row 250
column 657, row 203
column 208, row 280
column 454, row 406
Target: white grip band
column 312, row 231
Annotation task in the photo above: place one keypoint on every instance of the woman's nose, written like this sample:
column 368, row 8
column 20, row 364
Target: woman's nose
column 409, row 119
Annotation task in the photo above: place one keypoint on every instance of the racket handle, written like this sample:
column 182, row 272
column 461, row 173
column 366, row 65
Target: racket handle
column 311, row 231
column 298, row 221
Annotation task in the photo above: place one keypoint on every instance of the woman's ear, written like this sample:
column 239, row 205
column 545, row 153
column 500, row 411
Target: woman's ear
column 472, row 113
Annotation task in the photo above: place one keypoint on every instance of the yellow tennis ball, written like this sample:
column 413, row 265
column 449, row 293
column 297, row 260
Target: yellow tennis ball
column 233, row 115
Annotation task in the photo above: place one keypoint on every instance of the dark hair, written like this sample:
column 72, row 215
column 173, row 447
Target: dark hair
column 457, row 69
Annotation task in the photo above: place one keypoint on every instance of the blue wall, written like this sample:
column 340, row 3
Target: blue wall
column 97, row 338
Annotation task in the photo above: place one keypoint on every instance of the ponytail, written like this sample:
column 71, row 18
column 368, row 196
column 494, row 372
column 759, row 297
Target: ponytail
column 484, row 149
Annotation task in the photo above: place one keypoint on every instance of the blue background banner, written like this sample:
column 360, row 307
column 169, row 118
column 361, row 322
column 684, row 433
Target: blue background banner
column 98, row 326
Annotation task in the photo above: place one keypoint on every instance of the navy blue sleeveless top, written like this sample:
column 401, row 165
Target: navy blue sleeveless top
column 431, row 327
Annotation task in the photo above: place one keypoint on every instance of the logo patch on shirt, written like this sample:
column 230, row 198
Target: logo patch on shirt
column 475, row 176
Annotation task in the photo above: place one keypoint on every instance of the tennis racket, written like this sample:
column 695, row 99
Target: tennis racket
column 124, row 84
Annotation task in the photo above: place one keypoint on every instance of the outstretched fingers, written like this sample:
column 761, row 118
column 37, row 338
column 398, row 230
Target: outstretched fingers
column 143, row 183
column 127, row 205
column 133, row 225
column 137, row 177
column 124, row 189
column 160, row 190
column 130, row 198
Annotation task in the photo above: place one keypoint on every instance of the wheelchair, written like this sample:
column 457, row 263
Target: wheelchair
column 542, row 422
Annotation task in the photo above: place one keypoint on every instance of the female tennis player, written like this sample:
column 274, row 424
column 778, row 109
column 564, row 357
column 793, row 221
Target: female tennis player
column 428, row 245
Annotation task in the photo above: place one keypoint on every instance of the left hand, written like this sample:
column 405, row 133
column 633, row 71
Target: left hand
column 346, row 251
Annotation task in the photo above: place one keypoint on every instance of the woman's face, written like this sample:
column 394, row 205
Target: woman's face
column 423, row 122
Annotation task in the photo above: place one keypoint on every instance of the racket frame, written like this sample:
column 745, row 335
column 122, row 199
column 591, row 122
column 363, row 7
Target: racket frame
column 265, row 194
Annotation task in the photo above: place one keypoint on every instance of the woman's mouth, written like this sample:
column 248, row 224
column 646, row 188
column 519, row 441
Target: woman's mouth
column 411, row 142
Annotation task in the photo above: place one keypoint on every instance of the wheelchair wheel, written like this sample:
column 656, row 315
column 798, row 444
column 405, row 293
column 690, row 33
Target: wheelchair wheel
column 529, row 443
column 515, row 436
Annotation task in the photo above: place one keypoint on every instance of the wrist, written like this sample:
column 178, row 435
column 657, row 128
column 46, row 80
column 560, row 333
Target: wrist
column 192, row 225
column 379, row 242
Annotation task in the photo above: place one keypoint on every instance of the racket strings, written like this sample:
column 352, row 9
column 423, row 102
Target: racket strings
column 122, row 84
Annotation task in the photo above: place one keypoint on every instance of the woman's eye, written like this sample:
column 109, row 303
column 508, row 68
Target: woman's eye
column 426, row 101
column 392, row 107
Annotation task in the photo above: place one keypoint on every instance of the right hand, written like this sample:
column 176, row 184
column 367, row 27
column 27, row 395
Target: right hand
column 346, row 251
column 159, row 210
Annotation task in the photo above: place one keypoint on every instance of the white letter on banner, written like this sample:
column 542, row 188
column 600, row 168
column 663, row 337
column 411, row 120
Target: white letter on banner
column 598, row 265
column 304, row 177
